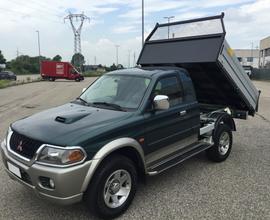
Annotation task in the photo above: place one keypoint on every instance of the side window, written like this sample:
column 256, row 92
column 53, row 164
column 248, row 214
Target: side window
column 170, row 87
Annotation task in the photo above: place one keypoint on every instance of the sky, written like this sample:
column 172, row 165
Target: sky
column 118, row 22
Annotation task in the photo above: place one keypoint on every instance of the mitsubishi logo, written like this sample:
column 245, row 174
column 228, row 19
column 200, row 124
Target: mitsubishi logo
column 20, row 147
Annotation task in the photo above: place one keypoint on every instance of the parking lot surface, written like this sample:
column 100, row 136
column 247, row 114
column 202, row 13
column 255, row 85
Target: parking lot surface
column 238, row 188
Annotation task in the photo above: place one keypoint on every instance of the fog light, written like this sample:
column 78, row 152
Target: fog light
column 46, row 182
column 51, row 183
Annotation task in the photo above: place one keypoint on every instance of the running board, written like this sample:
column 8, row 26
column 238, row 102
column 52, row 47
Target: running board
column 176, row 159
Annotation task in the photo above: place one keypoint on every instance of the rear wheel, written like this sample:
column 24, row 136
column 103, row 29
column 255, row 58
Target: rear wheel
column 51, row 79
column 77, row 79
column 222, row 144
column 113, row 187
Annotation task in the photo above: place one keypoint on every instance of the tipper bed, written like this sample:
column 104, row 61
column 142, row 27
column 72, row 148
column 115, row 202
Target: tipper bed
column 200, row 47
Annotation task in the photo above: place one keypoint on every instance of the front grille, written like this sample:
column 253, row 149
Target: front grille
column 23, row 145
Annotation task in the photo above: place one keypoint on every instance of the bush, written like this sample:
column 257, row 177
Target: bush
column 93, row 74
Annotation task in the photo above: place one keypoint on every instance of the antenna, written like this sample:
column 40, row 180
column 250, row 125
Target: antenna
column 77, row 30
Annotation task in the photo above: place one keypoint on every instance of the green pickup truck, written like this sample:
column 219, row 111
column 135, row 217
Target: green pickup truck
column 134, row 123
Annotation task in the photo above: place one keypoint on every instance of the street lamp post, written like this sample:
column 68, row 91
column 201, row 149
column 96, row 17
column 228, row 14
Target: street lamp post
column 39, row 51
column 142, row 23
column 251, row 54
column 169, row 19
column 129, row 51
column 116, row 47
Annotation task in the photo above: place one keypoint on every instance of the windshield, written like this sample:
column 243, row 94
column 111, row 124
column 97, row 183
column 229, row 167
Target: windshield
column 121, row 90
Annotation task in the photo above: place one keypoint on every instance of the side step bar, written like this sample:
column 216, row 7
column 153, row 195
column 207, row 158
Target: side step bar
column 176, row 159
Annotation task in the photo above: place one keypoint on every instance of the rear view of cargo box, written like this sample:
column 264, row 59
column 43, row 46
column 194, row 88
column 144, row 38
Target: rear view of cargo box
column 200, row 47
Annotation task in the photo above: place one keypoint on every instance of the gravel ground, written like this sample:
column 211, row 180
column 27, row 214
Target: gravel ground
column 238, row 188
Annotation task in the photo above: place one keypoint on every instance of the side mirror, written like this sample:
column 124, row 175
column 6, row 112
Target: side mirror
column 161, row 102
column 83, row 90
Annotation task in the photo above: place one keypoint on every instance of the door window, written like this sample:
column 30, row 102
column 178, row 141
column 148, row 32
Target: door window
column 170, row 87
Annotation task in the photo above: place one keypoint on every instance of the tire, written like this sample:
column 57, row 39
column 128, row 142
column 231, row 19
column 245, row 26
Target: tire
column 104, row 182
column 77, row 79
column 51, row 79
column 222, row 144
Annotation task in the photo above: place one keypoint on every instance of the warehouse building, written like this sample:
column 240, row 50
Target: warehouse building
column 264, row 61
column 248, row 57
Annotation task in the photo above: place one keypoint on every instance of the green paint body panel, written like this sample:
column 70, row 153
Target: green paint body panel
column 92, row 127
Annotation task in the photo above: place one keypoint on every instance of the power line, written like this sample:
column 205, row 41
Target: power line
column 8, row 10
column 43, row 11
column 41, row 4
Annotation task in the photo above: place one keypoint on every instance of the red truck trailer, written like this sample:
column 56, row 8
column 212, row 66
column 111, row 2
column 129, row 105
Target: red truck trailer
column 52, row 70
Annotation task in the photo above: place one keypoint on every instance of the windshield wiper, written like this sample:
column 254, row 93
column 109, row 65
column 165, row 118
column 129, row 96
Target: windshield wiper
column 115, row 106
column 82, row 100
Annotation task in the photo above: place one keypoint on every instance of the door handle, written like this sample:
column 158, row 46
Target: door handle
column 183, row 113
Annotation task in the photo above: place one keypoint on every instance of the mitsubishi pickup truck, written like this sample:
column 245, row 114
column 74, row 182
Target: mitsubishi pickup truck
column 134, row 123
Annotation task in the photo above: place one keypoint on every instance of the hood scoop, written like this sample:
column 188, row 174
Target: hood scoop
column 71, row 117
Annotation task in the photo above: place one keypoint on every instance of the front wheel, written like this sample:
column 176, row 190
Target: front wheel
column 222, row 144
column 113, row 187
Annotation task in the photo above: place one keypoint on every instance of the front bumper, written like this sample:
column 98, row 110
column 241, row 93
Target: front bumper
column 69, row 182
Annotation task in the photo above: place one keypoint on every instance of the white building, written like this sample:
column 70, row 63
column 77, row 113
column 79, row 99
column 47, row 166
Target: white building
column 248, row 57
column 265, row 53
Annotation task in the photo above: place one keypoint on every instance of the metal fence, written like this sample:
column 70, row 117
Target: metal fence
column 260, row 74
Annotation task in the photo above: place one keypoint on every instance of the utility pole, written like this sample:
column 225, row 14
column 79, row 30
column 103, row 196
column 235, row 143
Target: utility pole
column 252, row 54
column 17, row 53
column 142, row 23
column 95, row 60
column 116, row 47
column 169, row 19
column 134, row 59
column 39, row 60
column 129, row 51
column 77, row 31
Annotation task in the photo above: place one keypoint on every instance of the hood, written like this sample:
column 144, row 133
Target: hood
column 64, row 125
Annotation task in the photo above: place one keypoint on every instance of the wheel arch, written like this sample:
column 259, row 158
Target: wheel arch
column 223, row 118
column 128, row 147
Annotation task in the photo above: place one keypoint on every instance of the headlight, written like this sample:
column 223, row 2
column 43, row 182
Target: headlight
column 59, row 156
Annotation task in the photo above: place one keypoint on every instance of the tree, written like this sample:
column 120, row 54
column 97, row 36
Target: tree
column 120, row 66
column 113, row 67
column 2, row 61
column 77, row 60
column 57, row 58
column 25, row 64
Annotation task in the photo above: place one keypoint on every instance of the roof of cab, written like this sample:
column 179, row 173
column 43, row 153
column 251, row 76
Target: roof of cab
column 146, row 71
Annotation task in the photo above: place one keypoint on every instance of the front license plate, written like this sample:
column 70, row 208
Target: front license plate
column 15, row 170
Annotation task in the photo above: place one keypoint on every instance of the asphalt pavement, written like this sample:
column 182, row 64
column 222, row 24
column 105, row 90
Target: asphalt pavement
column 238, row 188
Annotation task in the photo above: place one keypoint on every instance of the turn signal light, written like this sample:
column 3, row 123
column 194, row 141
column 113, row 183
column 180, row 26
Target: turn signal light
column 75, row 156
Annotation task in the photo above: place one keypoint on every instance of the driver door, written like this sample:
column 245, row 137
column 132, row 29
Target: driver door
column 169, row 130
